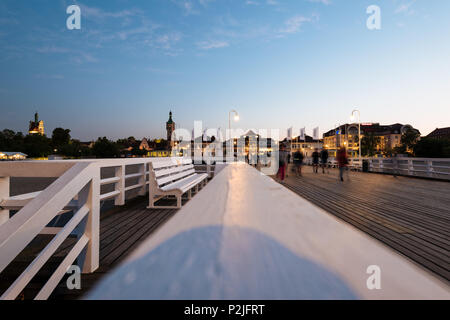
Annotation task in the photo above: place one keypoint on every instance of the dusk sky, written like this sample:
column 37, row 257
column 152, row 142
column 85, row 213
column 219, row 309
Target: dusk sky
column 279, row 63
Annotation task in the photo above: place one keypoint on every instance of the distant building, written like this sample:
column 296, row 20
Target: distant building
column 170, row 127
column 36, row 126
column 4, row 155
column 306, row 146
column 346, row 135
column 144, row 145
column 443, row 133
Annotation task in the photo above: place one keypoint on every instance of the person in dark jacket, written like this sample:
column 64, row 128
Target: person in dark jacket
column 342, row 160
column 324, row 160
column 315, row 158
column 297, row 159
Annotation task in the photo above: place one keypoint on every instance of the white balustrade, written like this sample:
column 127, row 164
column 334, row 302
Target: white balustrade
column 77, row 189
column 437, row 168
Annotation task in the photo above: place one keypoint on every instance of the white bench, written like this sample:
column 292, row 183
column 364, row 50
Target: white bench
column 173, row 177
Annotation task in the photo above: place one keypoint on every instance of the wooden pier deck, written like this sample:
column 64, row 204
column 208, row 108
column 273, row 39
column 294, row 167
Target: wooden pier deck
column 409, row 215
column 121, row 230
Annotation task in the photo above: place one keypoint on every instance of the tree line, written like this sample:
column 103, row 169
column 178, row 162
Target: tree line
column 61, row 143
column 411, row 144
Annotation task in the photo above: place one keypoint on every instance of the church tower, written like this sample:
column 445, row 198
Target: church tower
column 170, row 127
column 36, row 126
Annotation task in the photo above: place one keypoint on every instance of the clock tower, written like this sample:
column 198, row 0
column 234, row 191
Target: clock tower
column 170, row 127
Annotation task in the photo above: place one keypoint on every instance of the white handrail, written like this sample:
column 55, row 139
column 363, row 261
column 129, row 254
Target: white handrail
column 438, row 168
column 78, row 186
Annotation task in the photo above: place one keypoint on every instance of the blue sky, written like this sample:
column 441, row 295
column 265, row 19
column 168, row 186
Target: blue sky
column 279, row 63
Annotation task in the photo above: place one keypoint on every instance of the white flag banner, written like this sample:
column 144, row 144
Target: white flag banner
column 316, row 133
column 289, row 133
column 302, row 134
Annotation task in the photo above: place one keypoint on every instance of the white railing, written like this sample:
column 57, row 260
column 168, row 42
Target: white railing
column 438, row 168
column 354, row 163
column 77, row 189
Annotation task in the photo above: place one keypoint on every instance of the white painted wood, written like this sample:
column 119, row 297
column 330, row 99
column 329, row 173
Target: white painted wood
column 110, row 195
column 110, row 180
column 19, row 284
column 170, row 180
column 59, row 273
column 4, row 195
column 135, row 186
column 425, row 167
column 247, row 237
column 143, row 179
column 90, row 259
column 120, row 185
column 51, row 230
column 12, row 204
column 172, row 170
column 78, row 186
column 18, row 231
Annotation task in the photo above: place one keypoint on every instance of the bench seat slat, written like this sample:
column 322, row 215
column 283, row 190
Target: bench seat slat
column 174, row 177
column 164, row 172
column 186, row 183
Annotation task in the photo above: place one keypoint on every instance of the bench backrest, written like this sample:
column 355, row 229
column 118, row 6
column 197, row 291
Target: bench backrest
column 170, row 170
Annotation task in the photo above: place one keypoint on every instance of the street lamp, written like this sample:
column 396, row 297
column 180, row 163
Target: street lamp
column 359, row 130
column 236, row 118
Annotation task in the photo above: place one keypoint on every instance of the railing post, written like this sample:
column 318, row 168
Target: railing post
column 89, row 259
column 4, row 194
column 120, row 186
column 430, row 168
column 143, row 179
column 410, row 167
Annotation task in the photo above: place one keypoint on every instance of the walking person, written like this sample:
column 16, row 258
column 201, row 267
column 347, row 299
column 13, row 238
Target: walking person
column 324, row 160
column 315, row 157
column 282, row 162
column 342, row 161
column 298, row 162
column 286, row 171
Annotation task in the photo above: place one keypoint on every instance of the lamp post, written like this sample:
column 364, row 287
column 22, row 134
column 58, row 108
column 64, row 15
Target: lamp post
column 359, row 130
column 236, row 118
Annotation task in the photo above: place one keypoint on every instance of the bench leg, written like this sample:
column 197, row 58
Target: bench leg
column 179, row 201
column 190, row 194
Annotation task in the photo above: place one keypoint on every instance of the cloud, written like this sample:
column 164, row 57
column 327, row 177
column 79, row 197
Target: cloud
column 294, row 24
column 84, row 57
column 97, row 13
column 212, row 44
column 52, row 49
column 405, row 8
column 187, row 6
column 325, row 2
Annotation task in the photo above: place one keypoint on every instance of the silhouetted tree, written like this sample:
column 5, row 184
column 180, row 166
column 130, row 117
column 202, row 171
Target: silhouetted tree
column 369, row 144
column 60, row 138
column 104, row 148
column 432, row 148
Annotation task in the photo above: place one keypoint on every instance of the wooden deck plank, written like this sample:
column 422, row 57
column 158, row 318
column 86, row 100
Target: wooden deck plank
column 410, row 215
